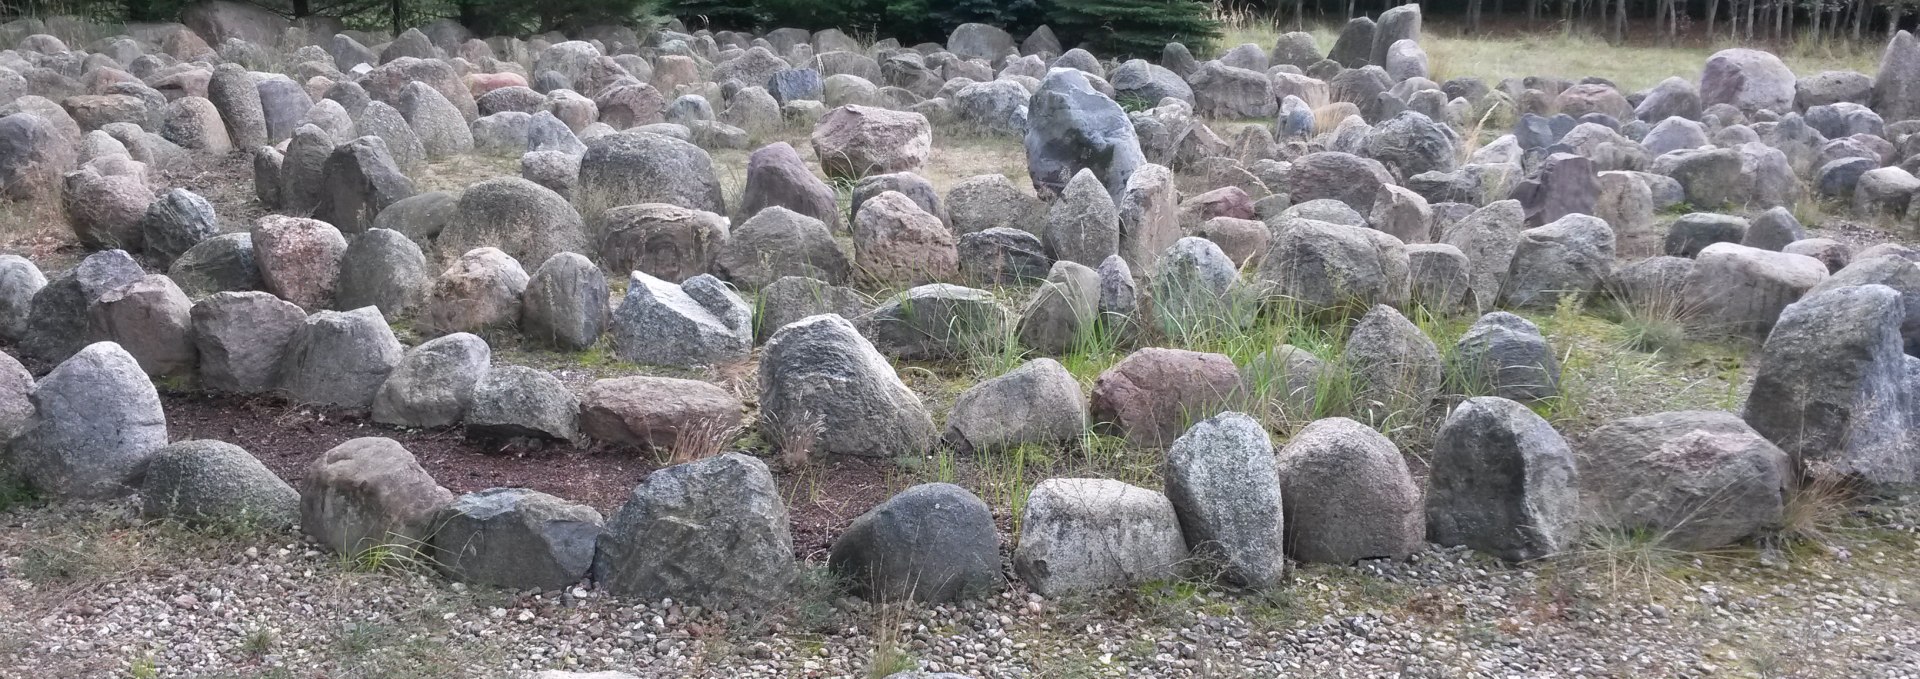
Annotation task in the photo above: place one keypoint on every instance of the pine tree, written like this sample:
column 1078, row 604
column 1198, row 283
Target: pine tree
column 716, row 14
column 1133, row 28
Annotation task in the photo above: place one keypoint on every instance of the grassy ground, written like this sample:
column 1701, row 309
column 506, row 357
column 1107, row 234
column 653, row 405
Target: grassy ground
column 1567, row 54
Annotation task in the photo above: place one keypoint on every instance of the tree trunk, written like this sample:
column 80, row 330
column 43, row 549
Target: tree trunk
column 1473, row 16
column 1620, row 23
column 1713, row 11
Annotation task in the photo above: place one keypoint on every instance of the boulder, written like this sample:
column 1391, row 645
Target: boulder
column 367, row 495
column 1896, row 84
column 360, row 180
column 1150, row 396
column 1506, row 356
column 1738, row 290
column 57, row 322
column 933, row 543
column 936, row 322
column 339, row 358
column 779, row 242
column 240, row 339
column 1038, row 403
column 150, row 319
column 777, row 176
column 479, row 290
column 526, row 221
column 1690, row 234
column 216, row 483
column 711, row 532
column 992, row 201
column 565, row 303
column 175, row 222
column 1086, row 535
column 1321, row 265
column 97, row 422
column 518, row 402
column 1395, row 368
column 658, row 413
column 1348, row 495
column 856, row 141
column 1344, row 177
column 1567, row 258
column 20, row 280
column 701, row 322
column 792, row 298
column 1503, row 482
column 633, row 167
column 665, row 241
column 1832, row 387
column 822, row 384
column 1224, row 485
column 432, row 385
column 897, row 243
column 1692, row 480
column 299, row 259
column 515, row 538
column 1072, row 127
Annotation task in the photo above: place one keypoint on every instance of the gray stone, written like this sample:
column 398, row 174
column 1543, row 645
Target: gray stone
column 701, row 322
column 383, row 269
column 518, row 402
column 1348, row 495
column 1342, row 176
column 635, row 167
column 479, row 290
column 779, row 242
column 57, row 322
column 1832, row 389
column 933, row 543
column 1083, row 226
column 1086, row 535
column 241, row 338
column 515, row 538
column 1395, row 368
column 897, row 243
column 1440, row 275
column 1502, row 481
column 792, row 298
column 1567, row 258
column 992, row 201
column 443, row 131
column 1507, row 356
column 1410, row 143
column 97, row 421
column 565, row 303
column 20, row 280
column 339, row 358
column 1895, row 93
column 665, row 241
column 1224, row 485
column 175, row 222
column 1738, row 290
column 433, row 383
column 1691, row 480
column 367, row 494
column 299, row 259
column 712, row 532
column 150, row 319
column 527, row 221
column 1072, row 127
column 935, row 322
column 387, row 123
column 1321, row 265
column 1039, row 402
column 824, row 384
column 216, row 483
column 1690, row 234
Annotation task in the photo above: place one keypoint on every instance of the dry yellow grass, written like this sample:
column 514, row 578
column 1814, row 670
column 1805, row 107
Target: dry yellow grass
column 1571, row 55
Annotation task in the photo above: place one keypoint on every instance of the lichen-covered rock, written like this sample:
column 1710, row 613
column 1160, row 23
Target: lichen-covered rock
column 712, row 532
column 822, row 383
column 216, row 483
column 1225, row 488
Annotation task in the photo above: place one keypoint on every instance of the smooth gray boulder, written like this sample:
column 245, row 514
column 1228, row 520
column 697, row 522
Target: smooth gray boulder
column 368, row 495
column 1569, row 257
column 219, row 484
column 1690, row 480
column 219, row 264
column 97, row 421
column 1071, row 127
column 1087, row 535
column 779, row 242
column 20, row 280
column 1348, row 495
column 712, row 532
column 383, row 269
column 1506, row 356
column 822, row 383
column 1038, row 402
column 1502, row 481
column 515, row 538
column 792, row 298
column 565, row 303
column 1083, row 225
column 518, row 402
column 1395, row 368
column 16, row 406
column 340, row 358
column 527, row 221
column 1224, row 484
column 932, row 543
column 433, row 383
column 1321, row 265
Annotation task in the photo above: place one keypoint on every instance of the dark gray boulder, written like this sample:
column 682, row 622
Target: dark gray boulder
column 1506, row 356
column 932, row 543
column 1502, row 481
column 1038, row 402
column 1071, row 127
column 515, row 538
column 713, row 533
column 340, row 358
column 518, row 402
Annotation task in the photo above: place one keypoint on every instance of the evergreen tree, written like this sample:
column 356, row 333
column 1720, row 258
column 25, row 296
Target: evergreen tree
column 730, row 15
column 1133, row 28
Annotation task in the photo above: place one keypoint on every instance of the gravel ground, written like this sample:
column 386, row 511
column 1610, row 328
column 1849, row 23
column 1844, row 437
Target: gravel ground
column 89, row 592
